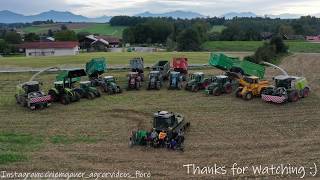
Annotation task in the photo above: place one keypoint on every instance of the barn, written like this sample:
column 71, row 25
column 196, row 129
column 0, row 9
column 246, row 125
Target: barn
column 55, row 48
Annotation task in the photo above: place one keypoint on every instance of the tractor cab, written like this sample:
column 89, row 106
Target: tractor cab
column 109, row 79
column 284, row 81
column 59, row 85
column 251, row 79
column 85, row 84
column 133, row 74
column 197, row 76
column 137, row 64
column 163, row 120
column 221, row 79
column 174, row 74
column 155, row 75
column 32, row 86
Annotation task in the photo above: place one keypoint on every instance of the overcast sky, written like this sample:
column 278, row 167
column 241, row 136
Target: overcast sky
column 93, row 8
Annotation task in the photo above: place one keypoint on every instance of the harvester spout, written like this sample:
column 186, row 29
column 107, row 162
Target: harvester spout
column 277, row 67
column 38, row 73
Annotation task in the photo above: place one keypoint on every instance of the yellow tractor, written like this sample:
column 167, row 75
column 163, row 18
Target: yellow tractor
column 251, row 86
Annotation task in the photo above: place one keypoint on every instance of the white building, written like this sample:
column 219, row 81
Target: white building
column 56, row 48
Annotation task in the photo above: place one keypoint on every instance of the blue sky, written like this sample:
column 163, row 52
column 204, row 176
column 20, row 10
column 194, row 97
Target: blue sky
column 93, row 8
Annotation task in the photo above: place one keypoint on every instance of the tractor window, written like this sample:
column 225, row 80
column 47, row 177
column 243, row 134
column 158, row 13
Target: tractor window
column 162, row 123
column 249, row 80
column 32, row 88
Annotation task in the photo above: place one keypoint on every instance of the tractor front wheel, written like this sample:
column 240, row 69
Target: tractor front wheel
column 228, row 88
column 216, row 92
column 90, row 96
column 294, row 96
column 248, row 96
column 238, row 93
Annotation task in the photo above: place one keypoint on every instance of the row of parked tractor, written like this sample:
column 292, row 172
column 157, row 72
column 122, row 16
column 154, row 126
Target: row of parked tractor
column 241, row 76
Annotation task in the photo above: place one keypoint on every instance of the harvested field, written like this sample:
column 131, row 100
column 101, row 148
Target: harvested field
column 92, row 136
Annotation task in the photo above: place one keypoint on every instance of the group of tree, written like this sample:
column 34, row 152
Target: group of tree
column 8, row 40
column 176, row 32
column 270, row 51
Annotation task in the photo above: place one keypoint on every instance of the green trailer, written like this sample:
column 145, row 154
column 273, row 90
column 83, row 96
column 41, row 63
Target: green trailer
column 232, row 64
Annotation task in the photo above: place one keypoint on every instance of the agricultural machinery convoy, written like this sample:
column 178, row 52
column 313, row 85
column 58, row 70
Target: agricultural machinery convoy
column 134, row 81
column 180, row 64
column 168, row 131
column 175, row 80
column 286, row 89
column 163, row 67
column 64, row 90
column 30, row 95
column 221, row 84
column 137, row 65
column 155, row 80
column 197, row 82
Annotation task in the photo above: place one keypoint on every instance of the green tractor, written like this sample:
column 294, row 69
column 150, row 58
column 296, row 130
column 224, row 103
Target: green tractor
column 87, row 90
column 168, row 131
column 111, row 85
column 221, row 84
column 175, row 80
column 197, row 82
column 155, row 80
column 64, row 90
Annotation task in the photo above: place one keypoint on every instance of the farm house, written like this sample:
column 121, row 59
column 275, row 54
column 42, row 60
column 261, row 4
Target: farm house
column 99, row 43
column 50, row 48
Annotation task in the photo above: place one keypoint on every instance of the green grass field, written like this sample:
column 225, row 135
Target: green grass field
column 113, row 58
column 294, row 46
column 94, row 28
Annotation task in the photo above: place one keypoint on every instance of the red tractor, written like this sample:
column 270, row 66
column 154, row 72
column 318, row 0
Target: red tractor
column 134, row 81
column 180, row 64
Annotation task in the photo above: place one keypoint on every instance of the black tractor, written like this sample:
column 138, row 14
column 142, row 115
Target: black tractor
column 155, row 80
column 221, row 84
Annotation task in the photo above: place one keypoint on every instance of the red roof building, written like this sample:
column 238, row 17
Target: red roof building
column 55, row 48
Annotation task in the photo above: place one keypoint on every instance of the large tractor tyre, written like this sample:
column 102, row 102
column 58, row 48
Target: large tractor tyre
column 65, row 100
column 248, row 96
column 54, row 95
column 228, row 88
column 194, row 88
column 119, row 90
column 158, row 86
column 238, row 93
column 138, row 85
column 294, row 96
column 216, row 92
column 305, row 92
column 77, row 96
column 90, row 95
column 104, row 88
column 98, row 93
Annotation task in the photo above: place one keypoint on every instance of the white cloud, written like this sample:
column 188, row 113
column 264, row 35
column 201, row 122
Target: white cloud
column 94, row 8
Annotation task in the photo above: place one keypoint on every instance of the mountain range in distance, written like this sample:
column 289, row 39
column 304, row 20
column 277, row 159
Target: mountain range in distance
column 59, row 16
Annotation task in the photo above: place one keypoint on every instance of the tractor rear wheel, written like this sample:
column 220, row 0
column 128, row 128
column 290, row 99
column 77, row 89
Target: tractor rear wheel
column 294, row 96
column 228, row 88
column 98, row 93
column 90, row 95
column 65, row 100
column 248, row 96
column 305, row 92
column 238, row 92
column 216, row 92
column 77, row 96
